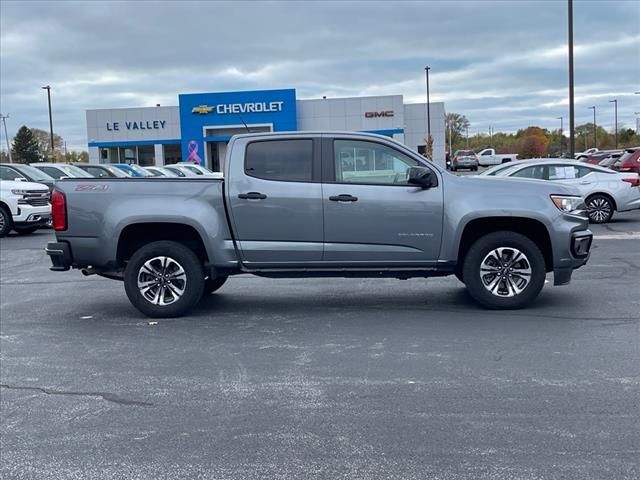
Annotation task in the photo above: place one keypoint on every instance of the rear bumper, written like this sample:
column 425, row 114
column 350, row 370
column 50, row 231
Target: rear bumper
column 60, row 255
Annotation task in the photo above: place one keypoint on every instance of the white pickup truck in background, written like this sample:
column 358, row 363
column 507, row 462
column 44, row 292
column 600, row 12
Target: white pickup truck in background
column 488, row 157
column 24, row 207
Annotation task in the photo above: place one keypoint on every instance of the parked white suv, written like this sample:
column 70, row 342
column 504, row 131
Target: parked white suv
column 24, row 207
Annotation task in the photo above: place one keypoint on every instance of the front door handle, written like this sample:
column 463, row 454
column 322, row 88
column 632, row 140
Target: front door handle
column 343, row 198
column 585, row 183
column 252, row 196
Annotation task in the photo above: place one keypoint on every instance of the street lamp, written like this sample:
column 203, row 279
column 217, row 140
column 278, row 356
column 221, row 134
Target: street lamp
column 572, row 139
column 6, row 137
column 561, row 132
column 595, row 138
column 615, row 105
column 426, row 72
column 48, row 89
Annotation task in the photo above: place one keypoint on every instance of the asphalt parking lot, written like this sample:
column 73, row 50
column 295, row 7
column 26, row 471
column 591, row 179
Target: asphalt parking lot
column 322, row 378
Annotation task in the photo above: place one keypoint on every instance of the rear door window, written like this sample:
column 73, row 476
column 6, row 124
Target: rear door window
column 283, row 160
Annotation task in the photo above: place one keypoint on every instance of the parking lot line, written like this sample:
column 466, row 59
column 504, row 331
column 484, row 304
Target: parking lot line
column 618, row 236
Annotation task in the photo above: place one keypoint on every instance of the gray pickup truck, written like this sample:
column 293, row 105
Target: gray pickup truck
column 318, row 204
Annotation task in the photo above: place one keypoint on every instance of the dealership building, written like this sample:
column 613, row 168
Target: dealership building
column 200, row 126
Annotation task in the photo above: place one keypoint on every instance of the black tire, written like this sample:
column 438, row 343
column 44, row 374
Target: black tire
column 600, row 208
column 479, row 255
column 26, row 230
column 191, row 282
column 213, row 284
column 6, row 222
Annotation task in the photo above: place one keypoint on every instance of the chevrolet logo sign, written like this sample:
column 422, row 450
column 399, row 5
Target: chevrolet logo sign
column 202, row 109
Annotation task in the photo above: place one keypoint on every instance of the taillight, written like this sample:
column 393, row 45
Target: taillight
column 635, row 182
column 58, row 211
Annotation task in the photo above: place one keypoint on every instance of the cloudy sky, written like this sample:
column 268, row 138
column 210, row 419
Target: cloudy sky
column 502, row 64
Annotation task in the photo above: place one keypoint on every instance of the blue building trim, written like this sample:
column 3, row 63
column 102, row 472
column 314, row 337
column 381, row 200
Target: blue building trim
column 386, row 132
column 133, row 143
column 217, row 139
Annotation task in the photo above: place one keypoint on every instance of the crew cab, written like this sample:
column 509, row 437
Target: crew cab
column 24, row 207
column 488, row 157
column 318, row 204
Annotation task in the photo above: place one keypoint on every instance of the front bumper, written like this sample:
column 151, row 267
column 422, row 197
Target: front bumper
column 580, row 251
column 60, row 255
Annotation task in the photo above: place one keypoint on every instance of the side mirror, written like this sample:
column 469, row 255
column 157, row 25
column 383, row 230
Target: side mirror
column 18, row 179
column 421, row 176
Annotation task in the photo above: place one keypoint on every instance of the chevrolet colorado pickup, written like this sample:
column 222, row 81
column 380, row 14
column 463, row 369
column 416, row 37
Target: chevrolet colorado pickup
column 318, row 204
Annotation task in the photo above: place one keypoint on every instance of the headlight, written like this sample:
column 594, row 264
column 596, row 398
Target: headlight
column 19, row 192
column 568, row 204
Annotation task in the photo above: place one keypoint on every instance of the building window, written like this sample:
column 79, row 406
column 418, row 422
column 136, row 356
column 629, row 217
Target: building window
column 284, row 160
column 172, row 154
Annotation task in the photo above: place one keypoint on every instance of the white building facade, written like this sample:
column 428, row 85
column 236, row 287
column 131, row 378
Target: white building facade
column 199, row 128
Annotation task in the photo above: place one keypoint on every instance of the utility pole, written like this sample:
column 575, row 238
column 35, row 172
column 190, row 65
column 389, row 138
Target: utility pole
column 615, row 105
column 467, row 137
column 572, row 119
column 6, row 137
column 561, row 132
column 426, row 71
column 595, row 128
column 491, row 136
column 48, row 89
column 637, row 122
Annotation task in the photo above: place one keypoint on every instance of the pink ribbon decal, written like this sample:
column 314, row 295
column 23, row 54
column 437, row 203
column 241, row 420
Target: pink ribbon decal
column 192, row 146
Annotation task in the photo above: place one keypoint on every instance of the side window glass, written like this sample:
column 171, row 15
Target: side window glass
column 283, row 160
column 54, row 172
column 370, row 163
column 582, row 171
column 561, row 172
column 531, row 172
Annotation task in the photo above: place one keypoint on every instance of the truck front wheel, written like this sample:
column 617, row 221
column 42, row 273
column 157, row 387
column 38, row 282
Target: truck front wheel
column 164, row 279
column 6, row 223
column 504, row 270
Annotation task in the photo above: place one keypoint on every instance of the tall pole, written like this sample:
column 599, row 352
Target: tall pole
column 48, row 89
column 637, row 122
column 561, row 132
column 426, row 71
column 6, row 136
column 467, row 137
column 595, row 127
column 615, row 106
column 491, row 136
column 572, row 120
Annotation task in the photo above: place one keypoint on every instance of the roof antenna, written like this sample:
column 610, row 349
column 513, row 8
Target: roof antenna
column 245, row 125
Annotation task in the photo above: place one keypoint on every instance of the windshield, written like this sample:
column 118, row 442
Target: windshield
column 624, row 156
column 73, row 171
column 465, row 153
column 140, row 171
column 116, row 172
column 497, row 169
column 35, row 174
column 193, row 169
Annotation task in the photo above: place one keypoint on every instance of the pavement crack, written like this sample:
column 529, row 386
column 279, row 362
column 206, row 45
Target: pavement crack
column 109, row 397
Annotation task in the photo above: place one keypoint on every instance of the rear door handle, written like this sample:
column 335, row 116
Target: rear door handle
column 343, row 198
column 252, row 196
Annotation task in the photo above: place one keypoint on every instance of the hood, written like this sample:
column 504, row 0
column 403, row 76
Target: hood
column 12, row 185
column 515, row 184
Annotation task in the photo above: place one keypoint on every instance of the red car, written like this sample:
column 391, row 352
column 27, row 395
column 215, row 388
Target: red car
column 629, row 161
column 596, row 158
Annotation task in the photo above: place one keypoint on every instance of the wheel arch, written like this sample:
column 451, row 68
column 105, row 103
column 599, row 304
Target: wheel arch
column 533, row 229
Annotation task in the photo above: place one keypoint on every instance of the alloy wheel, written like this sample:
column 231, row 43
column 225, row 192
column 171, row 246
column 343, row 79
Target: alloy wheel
column 162, row 280
column 599, row 209
column 505, row 272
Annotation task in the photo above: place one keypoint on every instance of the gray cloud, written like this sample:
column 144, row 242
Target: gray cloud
column 501, row 63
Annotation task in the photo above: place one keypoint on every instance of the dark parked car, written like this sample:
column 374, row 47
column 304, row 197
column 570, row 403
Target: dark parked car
column 610, row 160
column 11, row 171
column 596, row 158
column 464, row 159
column 629, row 161
column 101, row 171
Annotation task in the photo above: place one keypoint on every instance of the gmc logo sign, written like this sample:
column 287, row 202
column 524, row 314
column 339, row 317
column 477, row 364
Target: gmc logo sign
column 386, row 113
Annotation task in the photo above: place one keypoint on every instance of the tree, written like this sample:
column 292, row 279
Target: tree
column 44, row 144
column 532, row 146
column 459, row 125
column 25, row 147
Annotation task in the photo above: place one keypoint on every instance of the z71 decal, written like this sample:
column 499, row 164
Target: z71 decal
column 91, row 187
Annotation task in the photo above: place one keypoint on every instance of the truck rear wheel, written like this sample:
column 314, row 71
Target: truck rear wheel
column 504, row 270
column 164, row 279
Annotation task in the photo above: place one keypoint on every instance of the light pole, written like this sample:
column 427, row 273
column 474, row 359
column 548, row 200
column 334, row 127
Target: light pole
column 6, row 137
column 491, row 136
column 467, row 137
column 48, row 89
column 426, row 72
column 615, row 105
column 572, row 122
column 637, row 122
column 561, row 132
column 595, row 138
